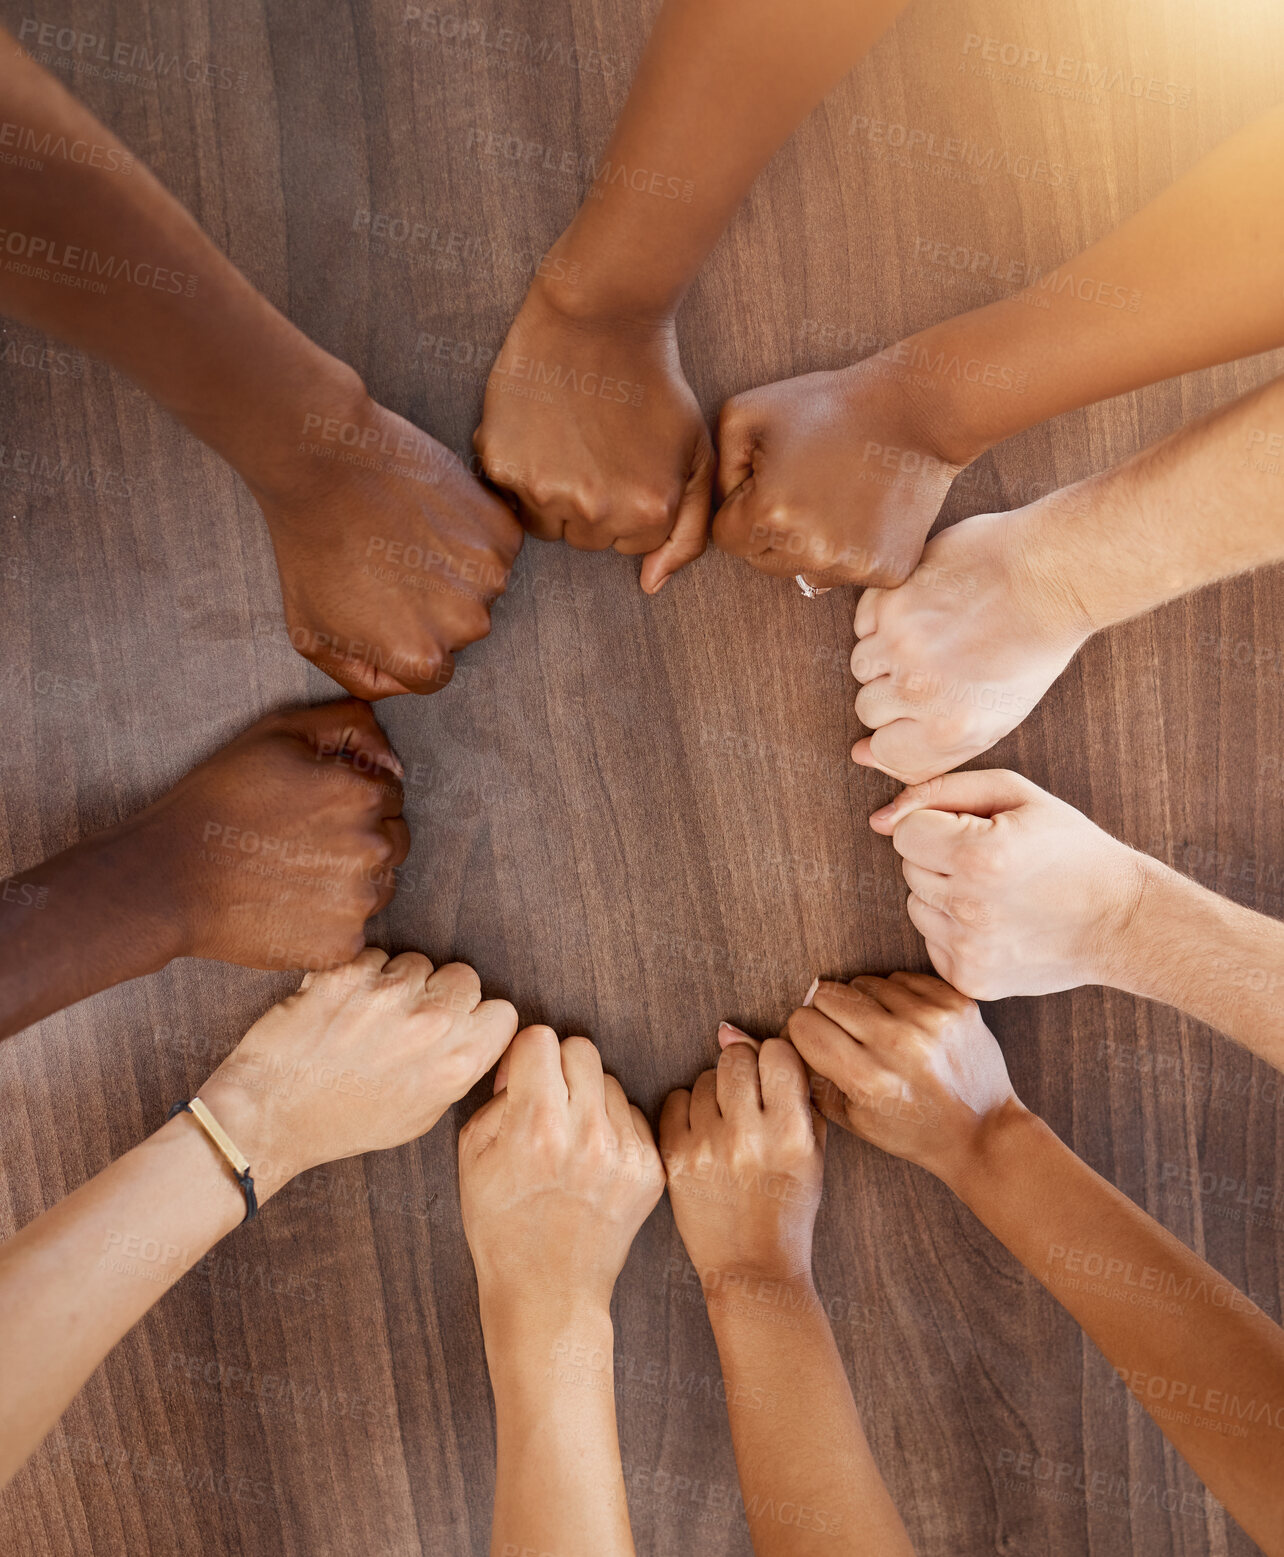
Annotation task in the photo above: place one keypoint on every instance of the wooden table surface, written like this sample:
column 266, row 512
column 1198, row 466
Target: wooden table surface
column 634, row 817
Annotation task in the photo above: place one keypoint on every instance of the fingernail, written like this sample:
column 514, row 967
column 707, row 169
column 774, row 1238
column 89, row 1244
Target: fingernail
column 728, row 1034
column 392, row 762
column 658, row 587
column 882, row 814
column 811, row 990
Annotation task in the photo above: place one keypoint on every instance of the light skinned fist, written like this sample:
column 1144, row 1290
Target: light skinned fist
column 591, row 427
column 361, row 1058
column 833, row 475
column 1014, row 891
column 745, row 1155
column 906, row 1063
column 958, row 655
column 556, row 1175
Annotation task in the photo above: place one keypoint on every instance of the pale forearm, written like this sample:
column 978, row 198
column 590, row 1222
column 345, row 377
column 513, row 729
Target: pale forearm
column 1199, row 1356
column 1192, row 509
column 1212, row 958
column 808, row 1481
column 1194, row 278
column 722, row 84
column 75, row 1280
column 559, row 1486
column 111, row 262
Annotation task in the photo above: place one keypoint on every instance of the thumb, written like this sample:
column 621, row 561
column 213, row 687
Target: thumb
column 483, row 1128
column 729, row 1034
column 347, row 728
column 979, row 792
column 690, row 533
column 501, row 1070
column 738, row 435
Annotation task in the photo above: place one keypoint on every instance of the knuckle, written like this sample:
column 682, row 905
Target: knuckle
column 380, row 848
column 593, row 507
column 990, row 858
column 651, row 510
column 541, row 491
column 781, row 515
column 504, row 1011
column 475, row 625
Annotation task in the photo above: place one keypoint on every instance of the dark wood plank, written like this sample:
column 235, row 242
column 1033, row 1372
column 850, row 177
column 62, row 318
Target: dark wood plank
column 634, row 817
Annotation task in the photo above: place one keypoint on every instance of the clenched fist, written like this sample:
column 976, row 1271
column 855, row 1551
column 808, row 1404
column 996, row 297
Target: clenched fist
column 745, row 1155
column 1014, row 891
column 906, row 1063
column 275, row 851
column 958, row 655
column 390, row 553
column 272, row 853
column 556, row 1175
column 591, row 426
column 361, row 1058
column 833, row 475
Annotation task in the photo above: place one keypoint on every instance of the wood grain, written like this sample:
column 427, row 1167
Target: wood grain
column 634, row 817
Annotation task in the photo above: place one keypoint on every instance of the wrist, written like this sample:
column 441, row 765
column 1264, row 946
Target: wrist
column 1004, row 1139
column 1087, row 536
column 320, row 404
column 1145, row 935
column 1045, row 576
column 969, row 398
column 127, row 887
column 245, row 1116
column 1124, row 935
column 759, row 1295
column 579, row 282
column 528, row 1332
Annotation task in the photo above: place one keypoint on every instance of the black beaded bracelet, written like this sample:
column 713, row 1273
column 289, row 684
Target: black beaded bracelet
column 237, row 1160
